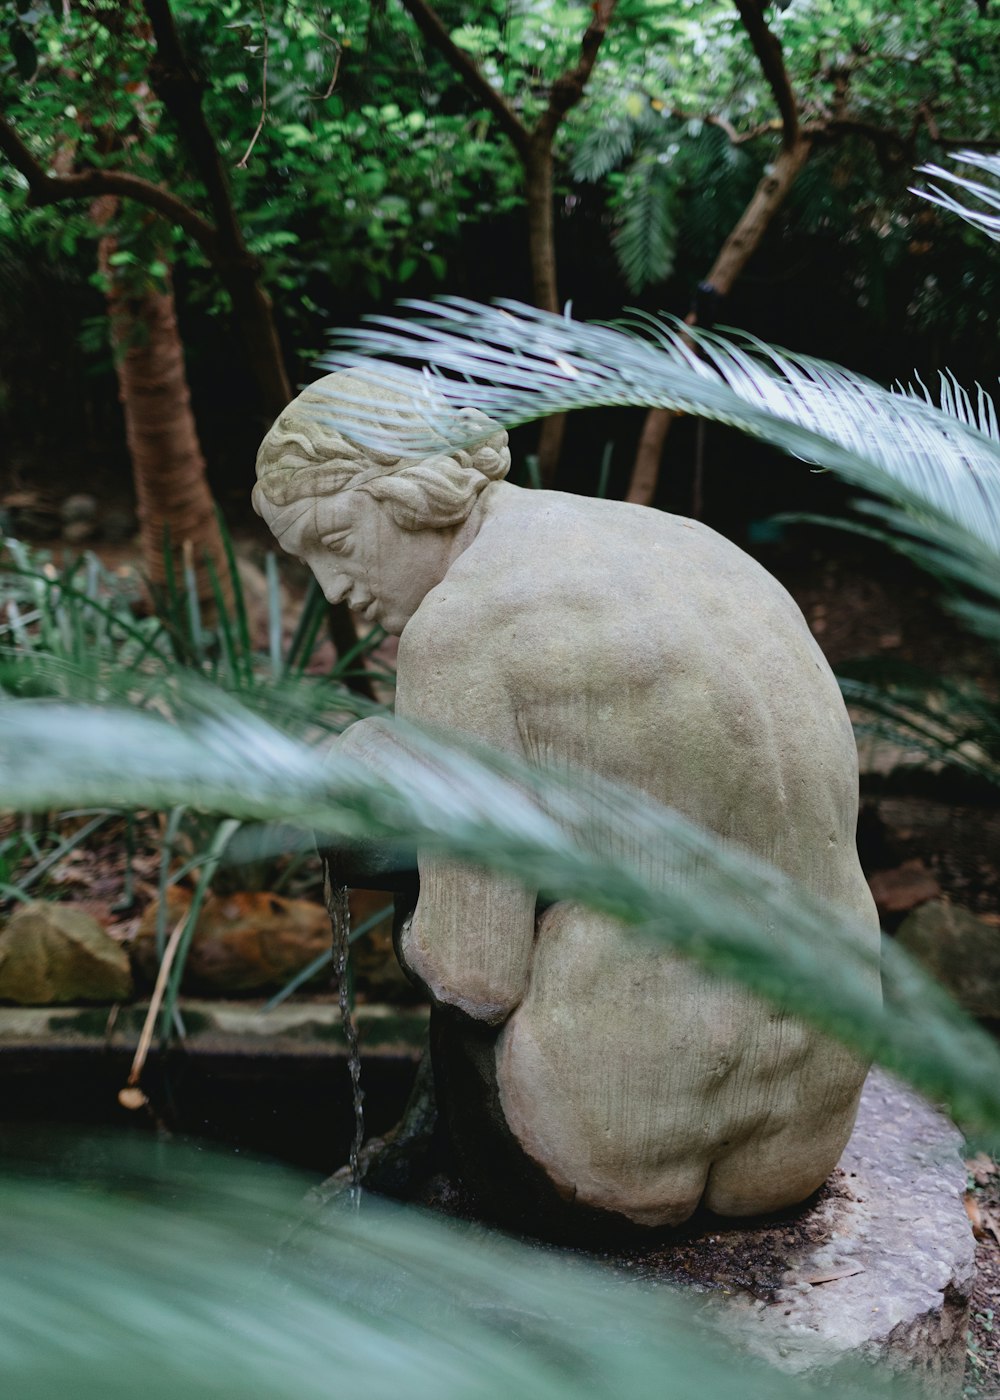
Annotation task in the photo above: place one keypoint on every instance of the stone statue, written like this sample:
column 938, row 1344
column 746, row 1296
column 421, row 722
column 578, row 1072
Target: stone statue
column 580, row 1074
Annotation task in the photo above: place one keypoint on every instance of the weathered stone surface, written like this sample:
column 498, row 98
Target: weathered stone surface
column 892, row 1278
column 642, row 647
column 55, row 953
column 960, row 951
column 296, row 1029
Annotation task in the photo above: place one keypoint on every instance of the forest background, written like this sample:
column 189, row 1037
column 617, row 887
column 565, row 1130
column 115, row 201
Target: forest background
column 269, row 172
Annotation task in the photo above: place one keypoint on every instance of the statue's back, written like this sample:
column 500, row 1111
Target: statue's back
column 647, row 649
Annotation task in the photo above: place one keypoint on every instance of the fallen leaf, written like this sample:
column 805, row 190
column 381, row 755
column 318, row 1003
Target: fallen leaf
column 832, row 1275
column 982, row 1168
column 975, row 1215
column 991, row 1222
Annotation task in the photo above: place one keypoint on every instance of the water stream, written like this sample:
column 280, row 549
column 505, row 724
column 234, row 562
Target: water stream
column 340, row 924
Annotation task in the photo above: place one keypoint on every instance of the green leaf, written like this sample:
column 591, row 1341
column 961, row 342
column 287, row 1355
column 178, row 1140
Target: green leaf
column 984, row 194
column 156, row 1269
column 646, row 237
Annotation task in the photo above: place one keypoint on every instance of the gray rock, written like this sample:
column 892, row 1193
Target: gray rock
column 960, row 951
column 54, row 953
column 79, row 507
column 891, row 1278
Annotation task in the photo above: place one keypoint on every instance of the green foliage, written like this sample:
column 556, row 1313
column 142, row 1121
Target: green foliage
column 975, row 199
column 73, row 629
column 684, row 75
column 373, row 159
column 357, row 176
column 938, row 464
column 647, row 232
column 955, row 723
column 166, row 1271
column 74, row 632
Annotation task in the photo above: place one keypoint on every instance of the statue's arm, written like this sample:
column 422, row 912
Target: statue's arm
column 471, row 935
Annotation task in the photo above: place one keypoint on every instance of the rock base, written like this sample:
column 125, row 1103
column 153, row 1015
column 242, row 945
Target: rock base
column 888, row 1275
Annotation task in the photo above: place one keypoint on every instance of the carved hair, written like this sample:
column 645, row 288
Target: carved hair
column 303, row 456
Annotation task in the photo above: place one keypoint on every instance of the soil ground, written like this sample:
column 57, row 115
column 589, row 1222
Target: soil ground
column 982, row 1372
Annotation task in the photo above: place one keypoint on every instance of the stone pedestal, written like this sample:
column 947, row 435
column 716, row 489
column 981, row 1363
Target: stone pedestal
column 889, row 1270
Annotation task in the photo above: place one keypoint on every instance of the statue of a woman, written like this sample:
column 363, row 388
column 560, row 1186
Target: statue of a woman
column 579, row 1071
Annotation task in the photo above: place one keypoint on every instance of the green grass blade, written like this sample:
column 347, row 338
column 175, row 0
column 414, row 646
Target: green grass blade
column 320, row 961
column 213, row 855
column 274, row 615
column 306, row 631
column 239, row 601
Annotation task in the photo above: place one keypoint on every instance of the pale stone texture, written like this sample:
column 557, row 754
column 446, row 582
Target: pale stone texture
column 54, row 953
column 647, row 649
column 908, row 1237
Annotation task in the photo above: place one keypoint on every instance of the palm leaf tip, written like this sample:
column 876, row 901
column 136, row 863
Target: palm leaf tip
column 394, row 410
column 972, row 193
column 516, row 363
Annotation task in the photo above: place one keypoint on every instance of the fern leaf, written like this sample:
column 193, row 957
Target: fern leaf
column 603, row 147
column 646, row 238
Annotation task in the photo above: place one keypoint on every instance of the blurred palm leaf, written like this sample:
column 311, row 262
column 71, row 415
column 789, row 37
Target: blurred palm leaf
column 985, row 197
column 148, row 1273
column 645, row 240
column 951, row 723
column 573, row 836
column 941, row 464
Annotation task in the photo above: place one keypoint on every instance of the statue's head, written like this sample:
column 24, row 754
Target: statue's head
column 378, row 531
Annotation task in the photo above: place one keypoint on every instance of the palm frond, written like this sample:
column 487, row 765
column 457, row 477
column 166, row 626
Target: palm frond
column 572, row 836
column 604, row 145
column 162, row 1271
column 517, row 363
column 982, row 194
column 646, row 238
column 946, row 722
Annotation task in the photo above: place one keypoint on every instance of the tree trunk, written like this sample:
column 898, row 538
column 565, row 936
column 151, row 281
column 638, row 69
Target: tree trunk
column 732, row 258
column 646, row 468
column 167, row 463
column 254, row 314
column 538, row 171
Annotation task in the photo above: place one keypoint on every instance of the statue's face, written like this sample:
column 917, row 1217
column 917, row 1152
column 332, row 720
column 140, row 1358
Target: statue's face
column 359, row 554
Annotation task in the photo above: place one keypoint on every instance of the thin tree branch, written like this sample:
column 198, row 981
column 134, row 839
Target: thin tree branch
column 468, row 69
column 567, row 90
column 772, row 62
column 91, row 184
column 179, row 88
column 735, row 138
column 894, row 148
column 748, row 233
column 969, row 143
column 241, row 164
